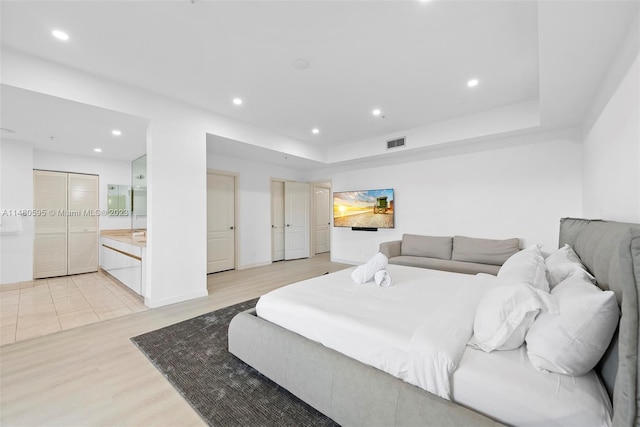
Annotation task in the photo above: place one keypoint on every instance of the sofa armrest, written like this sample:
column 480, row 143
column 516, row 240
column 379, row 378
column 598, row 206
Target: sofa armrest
column 391, row 249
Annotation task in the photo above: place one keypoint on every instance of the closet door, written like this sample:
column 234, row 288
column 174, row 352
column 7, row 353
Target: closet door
column 50, row 239
column 83, row 223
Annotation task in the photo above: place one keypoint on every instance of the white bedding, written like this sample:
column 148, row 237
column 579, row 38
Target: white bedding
column 437, row 344
column 376, row 325
column 417, row 330
column 505, row 386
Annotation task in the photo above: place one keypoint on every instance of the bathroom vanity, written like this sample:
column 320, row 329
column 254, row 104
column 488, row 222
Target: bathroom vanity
column 122, row 255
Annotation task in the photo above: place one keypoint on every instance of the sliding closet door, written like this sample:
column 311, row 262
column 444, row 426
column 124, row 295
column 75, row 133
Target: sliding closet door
column 83, row 223
column 50, row 240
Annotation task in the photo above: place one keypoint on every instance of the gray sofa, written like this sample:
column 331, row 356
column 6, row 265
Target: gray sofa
column 458, row 254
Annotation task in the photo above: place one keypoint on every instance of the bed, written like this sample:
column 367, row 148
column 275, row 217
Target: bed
column 353, row 391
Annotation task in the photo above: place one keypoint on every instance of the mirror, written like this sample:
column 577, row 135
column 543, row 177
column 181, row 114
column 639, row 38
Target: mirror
column 139, row 185
column 118, row 200
column 139, row 206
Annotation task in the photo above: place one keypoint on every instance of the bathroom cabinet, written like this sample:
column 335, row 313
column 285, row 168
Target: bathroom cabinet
column 124, row 261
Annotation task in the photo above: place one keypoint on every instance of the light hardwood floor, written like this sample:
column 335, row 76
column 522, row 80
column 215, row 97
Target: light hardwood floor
column 94, row 375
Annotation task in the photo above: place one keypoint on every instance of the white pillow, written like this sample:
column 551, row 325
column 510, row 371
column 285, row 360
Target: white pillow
column 504, row 315
column 525, row 266
column 573, row 341
column 561, row 264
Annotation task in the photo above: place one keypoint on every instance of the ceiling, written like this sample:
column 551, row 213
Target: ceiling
column 50, row 123
column 411, row 59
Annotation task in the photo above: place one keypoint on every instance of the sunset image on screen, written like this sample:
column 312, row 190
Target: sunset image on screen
column 370, row 208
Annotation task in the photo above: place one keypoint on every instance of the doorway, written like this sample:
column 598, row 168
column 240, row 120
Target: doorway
column 221, row 220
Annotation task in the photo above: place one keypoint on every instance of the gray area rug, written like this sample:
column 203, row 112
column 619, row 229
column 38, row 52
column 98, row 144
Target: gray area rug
column 225, row 391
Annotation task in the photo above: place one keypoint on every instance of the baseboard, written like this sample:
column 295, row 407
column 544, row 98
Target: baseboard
column 258, row 264
column 155, row 303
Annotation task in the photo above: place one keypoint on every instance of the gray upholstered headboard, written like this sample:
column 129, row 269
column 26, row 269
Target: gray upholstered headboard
column 611, row 252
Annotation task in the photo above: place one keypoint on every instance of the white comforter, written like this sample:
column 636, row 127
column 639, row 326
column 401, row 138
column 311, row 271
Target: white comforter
column 415, row 330
column 437, row 345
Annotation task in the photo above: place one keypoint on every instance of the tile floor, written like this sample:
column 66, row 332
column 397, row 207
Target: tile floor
column 44, row 306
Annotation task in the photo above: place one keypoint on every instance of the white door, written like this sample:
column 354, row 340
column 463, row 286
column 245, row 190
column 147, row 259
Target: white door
column 82, row 223
column 221, row 238
column 50, row 234
column 323, row 219
column 296, row 218
column 277, row 220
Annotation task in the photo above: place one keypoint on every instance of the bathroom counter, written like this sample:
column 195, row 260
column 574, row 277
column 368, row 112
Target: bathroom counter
column 125, row 236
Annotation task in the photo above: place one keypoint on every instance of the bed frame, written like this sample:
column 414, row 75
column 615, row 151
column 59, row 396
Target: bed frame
column 352, row 393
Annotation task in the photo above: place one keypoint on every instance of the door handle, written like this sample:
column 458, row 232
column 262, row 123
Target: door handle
column 231, row 228
column 288, row 225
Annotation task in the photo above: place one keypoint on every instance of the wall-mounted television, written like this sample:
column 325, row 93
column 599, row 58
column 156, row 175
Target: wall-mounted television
column 365, row 209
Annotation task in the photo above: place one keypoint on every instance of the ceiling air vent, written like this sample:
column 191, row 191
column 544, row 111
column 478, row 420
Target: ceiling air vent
column 395, row 143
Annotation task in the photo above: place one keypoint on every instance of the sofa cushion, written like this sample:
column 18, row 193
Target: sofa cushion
column 483, row 251
column 426, row 246
column 445, row 265
column 391, row 249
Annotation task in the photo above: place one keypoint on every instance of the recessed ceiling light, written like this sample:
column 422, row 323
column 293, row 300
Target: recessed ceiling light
column 376, row 112
column 98, row 150
column 300, row 64
column 116, row 132
column 60, row 35
column 237, row 101
column 472, row 83
column 315, row 131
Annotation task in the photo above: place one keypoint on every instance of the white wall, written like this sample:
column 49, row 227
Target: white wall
column 520, row 191
column 16, row 182
column 176, row 165
column 502, row 120
column 611, row 155
column 109, row 171
column 254, row 204
column 16, row 192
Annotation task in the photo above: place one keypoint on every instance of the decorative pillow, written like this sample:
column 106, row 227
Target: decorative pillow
column 525, row 266
column 573, row 341
column 561, row 264
column 504, row 315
